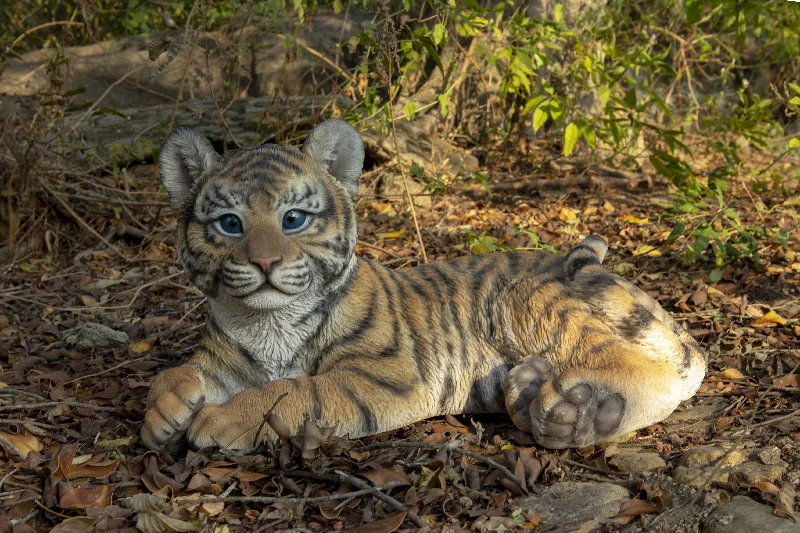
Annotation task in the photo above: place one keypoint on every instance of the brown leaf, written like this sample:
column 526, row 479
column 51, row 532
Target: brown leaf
column 25, row 443
column 88, row 301
column 76, row 524
column 637, row 507
column 784, row 504
column 766, row 486
column 382, row 476
column 98, row 467
column 213, row 508
column 82, row 497
column 789, row 380
column 249, row 476
column 387, row 525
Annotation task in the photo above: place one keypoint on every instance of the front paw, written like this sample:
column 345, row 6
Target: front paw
column 226, row 426
column 175, row 396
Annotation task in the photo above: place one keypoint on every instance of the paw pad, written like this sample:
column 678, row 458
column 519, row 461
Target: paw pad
column 581, row 417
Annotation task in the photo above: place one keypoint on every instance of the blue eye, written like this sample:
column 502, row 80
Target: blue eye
column 230, row 225
column 294, row 220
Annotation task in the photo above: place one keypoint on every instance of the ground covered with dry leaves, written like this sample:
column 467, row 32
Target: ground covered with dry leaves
column 86, row 326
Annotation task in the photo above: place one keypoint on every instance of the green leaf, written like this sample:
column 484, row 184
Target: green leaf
column 693, row 10
column 571, row 135
column 539, row 118
column 416, row 170
column 133, row 3
column 558, row 13
column 604, row 93
column 794, row 142
column 75, row 92
column 715, row 275
column 795, row 87
column 431, row 48
column 107, row 111
column 676, row 232
column 444, row 104
column 630, row 99
column 410, row 110
column 79, row 107
column 439, row 34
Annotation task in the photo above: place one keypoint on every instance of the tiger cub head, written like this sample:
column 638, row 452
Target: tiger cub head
column 265, row 226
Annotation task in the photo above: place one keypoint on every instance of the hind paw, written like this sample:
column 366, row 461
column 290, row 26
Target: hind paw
column 521, row 387
column 569, row 413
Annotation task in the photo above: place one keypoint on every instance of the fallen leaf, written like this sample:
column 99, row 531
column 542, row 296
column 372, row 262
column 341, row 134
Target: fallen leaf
column 382, row 476
column 98, row 467
column 88, row 301
column 608, row 207
column 769, row 320
column 82, row 497
column 731, row 373
column 631, row 219
column 213, row 508
column 141, row 347
column 789, row 380
column 647, row 249
column 25, row 443
column 387, row 525
column 393, row 235
column 637, row 507
column 76, row 524
column 568, row 215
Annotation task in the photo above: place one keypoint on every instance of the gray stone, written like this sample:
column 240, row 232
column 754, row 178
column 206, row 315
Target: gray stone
column 770, row 456
column 699, row 466
column 708, row 455
column 91, row 336
column 583, row 505
column 638, row 462
column 743, row 515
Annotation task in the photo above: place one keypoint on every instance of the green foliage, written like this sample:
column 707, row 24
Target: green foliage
column 627, row 83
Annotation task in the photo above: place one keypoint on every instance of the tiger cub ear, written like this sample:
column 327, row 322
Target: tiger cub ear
column 185, row 155
column 336, row 146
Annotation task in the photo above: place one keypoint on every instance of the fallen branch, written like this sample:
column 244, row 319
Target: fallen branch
column 48, row 405
column 17, row 392
column 388, row 500
column 450, row 448
column 291, row 500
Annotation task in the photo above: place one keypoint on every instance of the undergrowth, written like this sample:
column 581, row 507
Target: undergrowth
column 622, row 83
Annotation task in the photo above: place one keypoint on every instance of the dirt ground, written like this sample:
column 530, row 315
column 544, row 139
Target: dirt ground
column 86, row 324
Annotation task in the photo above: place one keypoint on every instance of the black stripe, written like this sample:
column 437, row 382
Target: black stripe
column 369, row 424
column 401, row 389
column 416, row 340
column 316, row 400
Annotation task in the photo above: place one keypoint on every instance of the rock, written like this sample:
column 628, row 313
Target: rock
column 583, row 505
column 638, row 462
column 770, row 456
column 91, row 336
column 743, row 515
column 696, row 466
column 707, row 455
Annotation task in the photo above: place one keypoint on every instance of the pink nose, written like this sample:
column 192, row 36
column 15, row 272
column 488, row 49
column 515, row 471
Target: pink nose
column 265, row 264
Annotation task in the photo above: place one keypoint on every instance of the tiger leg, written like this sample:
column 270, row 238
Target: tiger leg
column 175, row 396
column 581, row 406
column 354, row 398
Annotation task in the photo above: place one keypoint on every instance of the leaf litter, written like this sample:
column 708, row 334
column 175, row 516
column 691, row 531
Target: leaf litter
column 70, row 416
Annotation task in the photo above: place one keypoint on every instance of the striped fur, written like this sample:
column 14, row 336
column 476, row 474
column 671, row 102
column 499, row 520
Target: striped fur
column 573, row 353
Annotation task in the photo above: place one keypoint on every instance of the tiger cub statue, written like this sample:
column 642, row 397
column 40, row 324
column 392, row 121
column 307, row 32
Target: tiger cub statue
column 299, row 324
